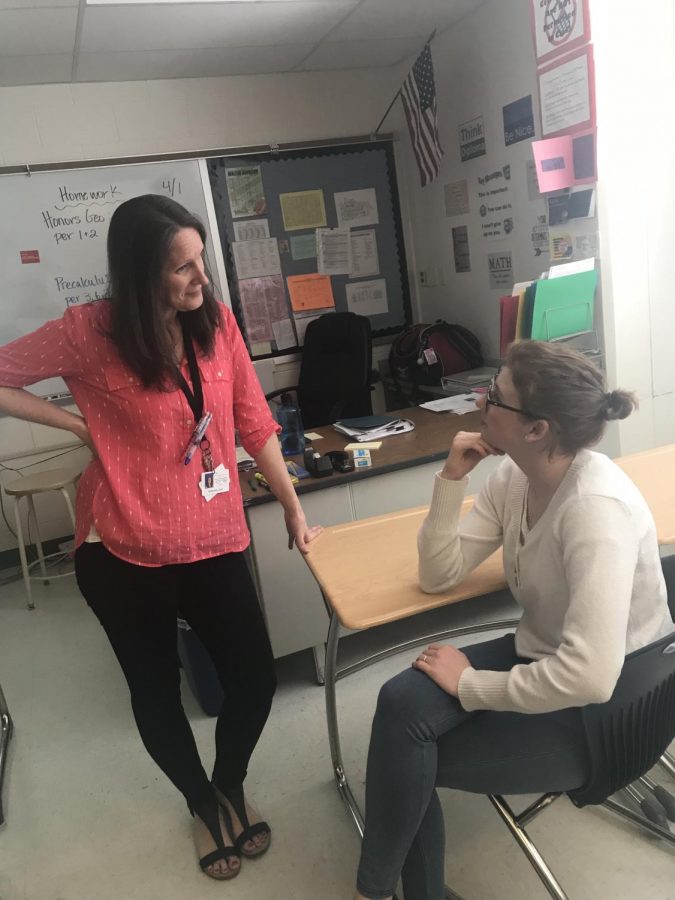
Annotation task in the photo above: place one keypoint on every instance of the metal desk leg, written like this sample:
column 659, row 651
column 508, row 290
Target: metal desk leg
column 5, row 734
column 319, row 653
column 333, row 732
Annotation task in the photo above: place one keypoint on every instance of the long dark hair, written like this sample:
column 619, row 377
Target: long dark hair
column 561, row 385
column 139, row 241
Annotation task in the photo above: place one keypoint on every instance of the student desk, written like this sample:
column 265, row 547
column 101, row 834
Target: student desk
column 401, row 476
column 379, row 584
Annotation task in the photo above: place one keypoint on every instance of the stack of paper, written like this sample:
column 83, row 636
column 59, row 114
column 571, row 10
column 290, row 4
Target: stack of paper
column 459, row 404
column 373, row 428
column 460, row 382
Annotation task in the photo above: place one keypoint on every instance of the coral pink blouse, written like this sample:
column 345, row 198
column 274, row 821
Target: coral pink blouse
column 138, row 494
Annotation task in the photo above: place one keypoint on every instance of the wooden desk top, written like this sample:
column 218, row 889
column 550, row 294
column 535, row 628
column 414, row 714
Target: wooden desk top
column 368, row 569
column 430, row 441
column 364, row 594
column 653, row 471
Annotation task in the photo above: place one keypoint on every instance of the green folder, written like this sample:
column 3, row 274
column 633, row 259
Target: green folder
column 564, row 306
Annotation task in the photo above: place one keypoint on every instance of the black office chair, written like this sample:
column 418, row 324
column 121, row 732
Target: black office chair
column 336, row 377
column 625, row 737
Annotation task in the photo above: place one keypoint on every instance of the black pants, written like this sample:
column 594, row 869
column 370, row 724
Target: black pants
column 138, row 606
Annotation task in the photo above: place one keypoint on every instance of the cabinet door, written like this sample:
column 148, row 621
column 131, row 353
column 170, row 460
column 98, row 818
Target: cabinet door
column 409, row 487
column 290, row 597
column 395, row 490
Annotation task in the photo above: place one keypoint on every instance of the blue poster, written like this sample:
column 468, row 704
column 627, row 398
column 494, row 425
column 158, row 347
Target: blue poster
column 518, row 121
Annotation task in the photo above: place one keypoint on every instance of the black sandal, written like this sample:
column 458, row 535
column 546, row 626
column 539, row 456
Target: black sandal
column 235, row 796
column 210, row 816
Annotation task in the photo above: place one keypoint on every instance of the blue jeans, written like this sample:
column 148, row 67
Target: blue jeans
column 423, row 739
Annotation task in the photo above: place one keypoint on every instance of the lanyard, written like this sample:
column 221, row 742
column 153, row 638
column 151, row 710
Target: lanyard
column 194, row 397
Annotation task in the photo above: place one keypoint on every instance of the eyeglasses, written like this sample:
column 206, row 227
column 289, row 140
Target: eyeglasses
column 491, row 400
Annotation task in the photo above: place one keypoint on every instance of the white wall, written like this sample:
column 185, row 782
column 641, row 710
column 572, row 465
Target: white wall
column 55, row 123
column 635, row 86
column 481, row 64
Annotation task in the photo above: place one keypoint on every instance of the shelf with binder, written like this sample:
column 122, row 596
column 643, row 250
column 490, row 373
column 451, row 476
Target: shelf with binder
column 550, row 309
column 563, row 307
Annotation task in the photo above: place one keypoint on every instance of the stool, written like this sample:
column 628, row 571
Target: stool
column 40, row 483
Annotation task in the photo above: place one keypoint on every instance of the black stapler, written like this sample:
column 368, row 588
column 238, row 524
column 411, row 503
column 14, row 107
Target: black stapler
column 317, row 465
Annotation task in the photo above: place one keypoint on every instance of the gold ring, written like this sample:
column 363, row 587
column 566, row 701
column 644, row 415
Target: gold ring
column 424, row 657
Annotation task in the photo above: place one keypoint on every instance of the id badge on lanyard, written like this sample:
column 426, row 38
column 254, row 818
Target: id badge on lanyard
column 214, row 479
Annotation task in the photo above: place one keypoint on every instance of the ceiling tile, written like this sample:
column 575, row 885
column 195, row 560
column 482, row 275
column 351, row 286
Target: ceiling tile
column 49, row 31
column 202, row 26
column 402, row 18
column 43, row 69
column 359, row 54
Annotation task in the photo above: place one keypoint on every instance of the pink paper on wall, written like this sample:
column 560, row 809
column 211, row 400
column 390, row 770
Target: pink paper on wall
column 554, row 163
column 564, row 161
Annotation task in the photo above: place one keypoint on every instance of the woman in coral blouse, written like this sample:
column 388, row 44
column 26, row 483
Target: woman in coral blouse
column 162, row 379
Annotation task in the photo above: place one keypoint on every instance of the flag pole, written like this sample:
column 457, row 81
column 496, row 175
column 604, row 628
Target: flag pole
column 398, row 92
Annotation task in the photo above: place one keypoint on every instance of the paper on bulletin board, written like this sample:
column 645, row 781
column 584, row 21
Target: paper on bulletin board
column 301, row 323
column 246, row 192
column 460, row 248
column 493, row 200
column 559, row 26
column 356, row 208
column 566, row 94
column 333, row 251
column 251, row 230
column 471, row 137
column 365, row 261
column 263, row 301
column 518, row 121
column 310, row 292
column 456, row 198
column 255, row 259
column 303, row 246
column 539, row 236
column 533, row 192
column 574, row 204
column 367, row 298
column 553, row 162
column 563, row 161
column 577, row 239
column 284, row 335
column 302, row 210
column 572, row 268
column 500, row 267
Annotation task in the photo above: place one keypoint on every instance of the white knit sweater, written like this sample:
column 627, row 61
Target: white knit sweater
column 587, row 576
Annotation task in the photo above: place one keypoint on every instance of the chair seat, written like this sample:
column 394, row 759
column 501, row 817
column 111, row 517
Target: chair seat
column 53, row 480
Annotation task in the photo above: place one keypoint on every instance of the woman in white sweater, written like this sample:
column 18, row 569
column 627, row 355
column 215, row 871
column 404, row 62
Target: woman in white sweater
column 581, row 559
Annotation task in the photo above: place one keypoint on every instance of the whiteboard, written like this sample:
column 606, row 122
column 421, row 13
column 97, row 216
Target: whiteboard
column 53, row 233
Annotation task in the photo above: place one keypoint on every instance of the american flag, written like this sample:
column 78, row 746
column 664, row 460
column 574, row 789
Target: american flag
column 418, row 93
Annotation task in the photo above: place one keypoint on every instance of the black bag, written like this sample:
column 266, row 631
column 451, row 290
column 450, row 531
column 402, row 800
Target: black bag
column 423, row 354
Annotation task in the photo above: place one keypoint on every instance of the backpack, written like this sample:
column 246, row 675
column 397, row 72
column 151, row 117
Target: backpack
column 423, row 353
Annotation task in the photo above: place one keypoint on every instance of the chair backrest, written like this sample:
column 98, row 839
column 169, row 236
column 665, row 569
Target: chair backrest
column 668, row 566
column 336, row 369
column 626, row 735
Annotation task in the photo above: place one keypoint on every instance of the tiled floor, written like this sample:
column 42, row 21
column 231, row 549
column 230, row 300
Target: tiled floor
column 90, row 818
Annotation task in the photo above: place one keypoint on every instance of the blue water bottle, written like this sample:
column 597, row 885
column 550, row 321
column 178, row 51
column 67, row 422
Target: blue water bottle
column 292, row 432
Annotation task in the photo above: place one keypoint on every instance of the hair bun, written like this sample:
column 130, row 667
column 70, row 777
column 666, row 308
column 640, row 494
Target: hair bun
column 619, row 404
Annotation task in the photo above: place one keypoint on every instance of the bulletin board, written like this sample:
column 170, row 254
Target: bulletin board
column 308, row 232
